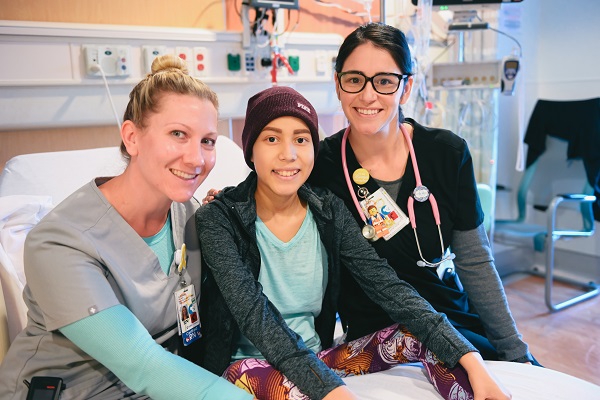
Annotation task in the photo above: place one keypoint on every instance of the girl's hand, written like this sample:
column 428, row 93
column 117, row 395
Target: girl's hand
column 485, row 385
column 340, row 393
column 210, row 196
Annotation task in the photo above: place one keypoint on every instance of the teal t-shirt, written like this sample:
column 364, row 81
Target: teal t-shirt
column 294, row 277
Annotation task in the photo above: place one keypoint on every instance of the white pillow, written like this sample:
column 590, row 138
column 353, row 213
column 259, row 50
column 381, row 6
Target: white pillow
column 59, row 173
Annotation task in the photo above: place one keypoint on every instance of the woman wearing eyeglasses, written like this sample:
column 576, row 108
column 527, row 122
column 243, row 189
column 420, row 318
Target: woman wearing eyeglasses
column 272, row 248
column 423, row 180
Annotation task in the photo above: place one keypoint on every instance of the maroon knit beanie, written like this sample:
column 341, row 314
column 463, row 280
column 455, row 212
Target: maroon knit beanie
column 270, row 104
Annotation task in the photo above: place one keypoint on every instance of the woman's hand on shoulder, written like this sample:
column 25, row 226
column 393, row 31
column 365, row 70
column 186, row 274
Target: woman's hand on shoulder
column 340, row 393
column 210, row 196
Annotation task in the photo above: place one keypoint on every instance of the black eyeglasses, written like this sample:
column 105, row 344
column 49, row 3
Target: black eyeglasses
column 383, row 83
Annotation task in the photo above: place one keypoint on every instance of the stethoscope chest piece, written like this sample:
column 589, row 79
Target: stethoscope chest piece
column 369, row 233
column 421, row 193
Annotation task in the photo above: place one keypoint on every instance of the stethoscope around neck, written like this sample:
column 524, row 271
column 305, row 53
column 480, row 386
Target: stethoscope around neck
column 420, row 193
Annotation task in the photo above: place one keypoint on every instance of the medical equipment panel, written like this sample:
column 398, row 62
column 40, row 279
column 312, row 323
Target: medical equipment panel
column 67, row 88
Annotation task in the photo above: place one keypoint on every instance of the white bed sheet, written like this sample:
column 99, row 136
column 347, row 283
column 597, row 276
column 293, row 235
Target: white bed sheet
column 525, row 382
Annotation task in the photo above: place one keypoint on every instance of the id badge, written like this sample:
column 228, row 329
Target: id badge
column 384, row 214
column 187, row 315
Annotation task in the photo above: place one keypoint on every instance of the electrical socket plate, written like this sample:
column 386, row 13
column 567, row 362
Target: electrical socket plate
column 200, row 59
column 150, row 53
column 185, row 53
column 249, row 61
column 234, row 61
column 115, row 60
column 322, row 66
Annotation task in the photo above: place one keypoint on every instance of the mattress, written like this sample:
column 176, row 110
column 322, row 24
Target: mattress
column 524, row 381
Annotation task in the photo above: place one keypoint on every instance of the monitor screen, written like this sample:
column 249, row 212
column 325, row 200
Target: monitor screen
column 292, row 4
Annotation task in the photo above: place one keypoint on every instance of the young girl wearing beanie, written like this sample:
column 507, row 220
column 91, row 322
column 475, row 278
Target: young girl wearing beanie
column 272, row 250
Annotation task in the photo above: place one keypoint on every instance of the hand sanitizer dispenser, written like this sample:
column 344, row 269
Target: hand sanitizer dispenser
column 510, row 68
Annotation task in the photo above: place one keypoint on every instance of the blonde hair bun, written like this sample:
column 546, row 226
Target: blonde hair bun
column 169, row 62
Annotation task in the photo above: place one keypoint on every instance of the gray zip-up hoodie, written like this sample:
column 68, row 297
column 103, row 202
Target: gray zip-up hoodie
column 232, row 299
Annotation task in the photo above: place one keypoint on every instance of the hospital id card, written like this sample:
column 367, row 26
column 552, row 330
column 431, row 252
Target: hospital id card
column 188, row 321
column 384, row 214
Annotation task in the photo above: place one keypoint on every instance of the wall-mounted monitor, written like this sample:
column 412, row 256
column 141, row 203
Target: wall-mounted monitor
column 291, row 4
column 458, row 5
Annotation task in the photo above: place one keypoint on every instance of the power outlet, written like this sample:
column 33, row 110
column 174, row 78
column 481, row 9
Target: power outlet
column 185, row 53
column 294, row 61
column 234, row 62
column 264, row 61
column 249, row 62
column 150, row 53
column 199, row 61
column 114, row 60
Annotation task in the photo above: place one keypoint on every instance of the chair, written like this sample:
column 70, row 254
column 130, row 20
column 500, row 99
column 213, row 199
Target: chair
column 486, row 199
column 447, row 268
column 555, row 198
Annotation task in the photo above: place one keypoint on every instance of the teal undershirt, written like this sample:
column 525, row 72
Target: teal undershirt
column 294, row 277
column 163, row 246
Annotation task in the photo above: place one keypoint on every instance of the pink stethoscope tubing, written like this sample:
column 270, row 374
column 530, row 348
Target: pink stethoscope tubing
column 411, row 209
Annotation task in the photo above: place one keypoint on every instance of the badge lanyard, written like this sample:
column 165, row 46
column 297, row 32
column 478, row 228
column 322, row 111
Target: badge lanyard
column 185, row 302
column 420, row 193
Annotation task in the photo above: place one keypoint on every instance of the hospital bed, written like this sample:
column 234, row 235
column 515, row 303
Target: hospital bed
column 30, row 185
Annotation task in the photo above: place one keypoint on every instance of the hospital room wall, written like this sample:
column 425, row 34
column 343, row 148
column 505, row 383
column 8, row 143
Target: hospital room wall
column 560, row 62
column 211, row 15
column 188, row 13
column 207, row 14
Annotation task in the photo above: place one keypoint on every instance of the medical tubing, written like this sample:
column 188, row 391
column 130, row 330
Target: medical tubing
column 413, row 159
column 110, row 99
column 521, row 154
column 411, row 209
column 411, row 214
column 434, row 208
column 442, row 242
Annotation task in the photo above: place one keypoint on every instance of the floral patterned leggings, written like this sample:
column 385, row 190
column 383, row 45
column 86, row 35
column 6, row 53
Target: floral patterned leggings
column 373, row 353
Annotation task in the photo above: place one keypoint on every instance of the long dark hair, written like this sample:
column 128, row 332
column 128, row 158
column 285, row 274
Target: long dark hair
column 383, row 36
